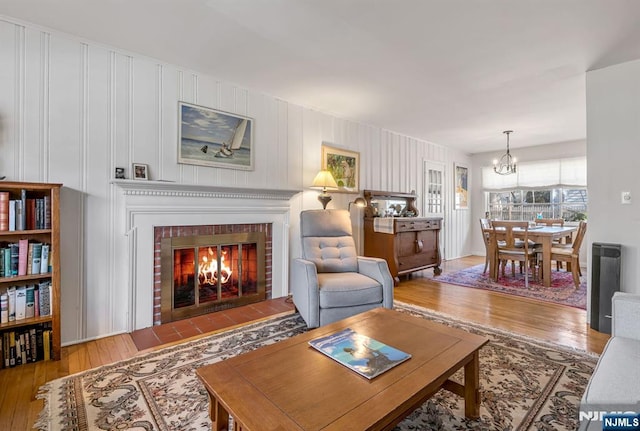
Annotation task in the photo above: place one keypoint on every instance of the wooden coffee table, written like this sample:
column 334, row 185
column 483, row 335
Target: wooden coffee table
column 291, row 386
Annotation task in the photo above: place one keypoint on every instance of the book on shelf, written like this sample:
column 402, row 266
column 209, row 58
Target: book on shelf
column 23, row 252
column 360, row 353
column 18, row 221
column 44, row 298
column 36, row 301
column 44, row 259
column 4, row 308
column 12, row 215
column 4, row 211
column 14, row 261
column 36, row 258
column 47, row 211
column 7, row 262
column 12, row 349
column 21, row 302
column 46, row 344
column 11, row 293
column 34, row 345
column 29, row 258
column 30, row 302
column 23, row 213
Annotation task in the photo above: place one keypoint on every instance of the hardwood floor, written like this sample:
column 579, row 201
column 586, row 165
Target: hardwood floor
column 19, row 407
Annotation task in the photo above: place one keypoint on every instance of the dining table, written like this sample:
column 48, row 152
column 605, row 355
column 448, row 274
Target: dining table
column 542, row 235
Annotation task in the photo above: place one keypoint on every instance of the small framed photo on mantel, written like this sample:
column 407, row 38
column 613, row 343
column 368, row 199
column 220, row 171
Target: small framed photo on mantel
column 140, row 171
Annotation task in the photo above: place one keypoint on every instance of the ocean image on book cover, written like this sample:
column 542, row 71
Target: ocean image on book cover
column 359, row 352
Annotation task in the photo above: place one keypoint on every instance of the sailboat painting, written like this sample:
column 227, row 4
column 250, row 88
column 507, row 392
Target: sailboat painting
column 208, row 137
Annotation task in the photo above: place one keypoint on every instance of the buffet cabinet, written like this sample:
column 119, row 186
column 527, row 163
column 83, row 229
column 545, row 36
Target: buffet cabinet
column 408, row 244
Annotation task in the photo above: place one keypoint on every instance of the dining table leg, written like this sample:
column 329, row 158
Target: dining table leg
column 493, row 260
column 546, row 261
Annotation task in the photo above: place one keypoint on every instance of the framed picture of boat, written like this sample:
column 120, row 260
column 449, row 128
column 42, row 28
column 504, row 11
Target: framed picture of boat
column 344, row 165
column 208, row 137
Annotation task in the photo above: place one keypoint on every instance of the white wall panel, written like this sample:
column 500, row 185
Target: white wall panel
column 97, row 288
column 32, row 144
column 71, row 111
column 9, row 85
column 144, row 124
column 170, row 169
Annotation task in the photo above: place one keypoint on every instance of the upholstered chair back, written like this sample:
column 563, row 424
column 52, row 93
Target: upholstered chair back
column 327, row 240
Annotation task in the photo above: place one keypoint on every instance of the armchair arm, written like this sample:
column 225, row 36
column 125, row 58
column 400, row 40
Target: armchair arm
column 626, row 315
column 305, row 291
column 378, row 269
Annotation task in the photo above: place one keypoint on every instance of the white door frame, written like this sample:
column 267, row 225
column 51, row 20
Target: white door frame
column 432, row 205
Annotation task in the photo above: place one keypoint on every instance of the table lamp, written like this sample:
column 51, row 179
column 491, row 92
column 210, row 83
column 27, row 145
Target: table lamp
column 324, row 181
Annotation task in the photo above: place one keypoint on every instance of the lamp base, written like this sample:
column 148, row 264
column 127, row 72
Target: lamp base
column 324, row 198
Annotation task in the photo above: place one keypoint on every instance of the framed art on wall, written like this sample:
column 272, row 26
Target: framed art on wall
column 344, row 165
column 461, row 187
column 208, row 137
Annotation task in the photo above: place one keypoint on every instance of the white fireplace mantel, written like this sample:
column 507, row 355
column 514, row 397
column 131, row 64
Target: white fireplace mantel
column 142, row 205
column 169, row 188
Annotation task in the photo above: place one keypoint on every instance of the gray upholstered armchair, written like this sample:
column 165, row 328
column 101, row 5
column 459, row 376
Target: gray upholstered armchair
column 330, row 282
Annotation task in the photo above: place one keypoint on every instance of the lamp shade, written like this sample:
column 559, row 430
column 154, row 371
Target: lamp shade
column 325, row 181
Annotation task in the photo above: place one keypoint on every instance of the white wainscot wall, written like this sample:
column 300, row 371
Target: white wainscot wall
column 143, row 205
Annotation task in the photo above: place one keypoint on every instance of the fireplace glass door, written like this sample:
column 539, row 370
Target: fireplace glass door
column 210, row 273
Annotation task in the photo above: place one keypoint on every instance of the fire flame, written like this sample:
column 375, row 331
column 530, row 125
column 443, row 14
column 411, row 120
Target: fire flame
column 208, row 269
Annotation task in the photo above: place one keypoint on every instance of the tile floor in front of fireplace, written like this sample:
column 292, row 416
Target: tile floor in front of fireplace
column 181, row 329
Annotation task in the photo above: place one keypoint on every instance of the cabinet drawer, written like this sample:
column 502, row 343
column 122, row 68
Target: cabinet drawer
column 410, row 225
column 407, row 263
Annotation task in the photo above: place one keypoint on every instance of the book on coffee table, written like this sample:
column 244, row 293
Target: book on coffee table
column 362, row 354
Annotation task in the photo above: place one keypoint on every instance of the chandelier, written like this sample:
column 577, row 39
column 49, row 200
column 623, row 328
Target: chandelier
column 507, row 164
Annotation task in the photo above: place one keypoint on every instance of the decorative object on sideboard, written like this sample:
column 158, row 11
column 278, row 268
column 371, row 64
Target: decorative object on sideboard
column 359, row 202
column 344, row 165
column 324, row 181
column 208, row 137
column 507, row 163
column 140, row 171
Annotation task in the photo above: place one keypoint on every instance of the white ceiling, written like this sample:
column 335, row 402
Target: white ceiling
column 453, row 72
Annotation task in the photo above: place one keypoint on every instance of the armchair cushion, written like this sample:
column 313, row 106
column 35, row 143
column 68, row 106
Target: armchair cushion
column 347, row 289
column 331, row 254
column 327, row 241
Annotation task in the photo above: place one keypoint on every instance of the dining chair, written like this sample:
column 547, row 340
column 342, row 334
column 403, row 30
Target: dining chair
column 514, row 249
column 553, row 222
column 485, row 226
column 550, row 222
column 570, row 253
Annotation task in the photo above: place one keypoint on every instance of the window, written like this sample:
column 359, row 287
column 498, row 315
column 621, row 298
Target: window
column 569, row 204
column 553, row 188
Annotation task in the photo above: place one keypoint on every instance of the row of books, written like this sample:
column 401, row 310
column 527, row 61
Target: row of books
column 24, row 258
column 23, row 302
column 26, row 345
column 24, row 213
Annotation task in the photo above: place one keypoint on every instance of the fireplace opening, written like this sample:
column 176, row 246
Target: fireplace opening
column 205, row 273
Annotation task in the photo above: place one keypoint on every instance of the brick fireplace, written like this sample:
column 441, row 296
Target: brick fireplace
column 207, row 268
column 146, row 205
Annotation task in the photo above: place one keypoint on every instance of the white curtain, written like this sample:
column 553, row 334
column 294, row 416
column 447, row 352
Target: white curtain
column 541, row 174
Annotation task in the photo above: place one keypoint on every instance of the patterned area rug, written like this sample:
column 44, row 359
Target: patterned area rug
column 562, row 290
column 525, row 384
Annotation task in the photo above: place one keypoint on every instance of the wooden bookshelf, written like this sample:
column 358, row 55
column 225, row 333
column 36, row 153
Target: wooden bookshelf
column 36, row 234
